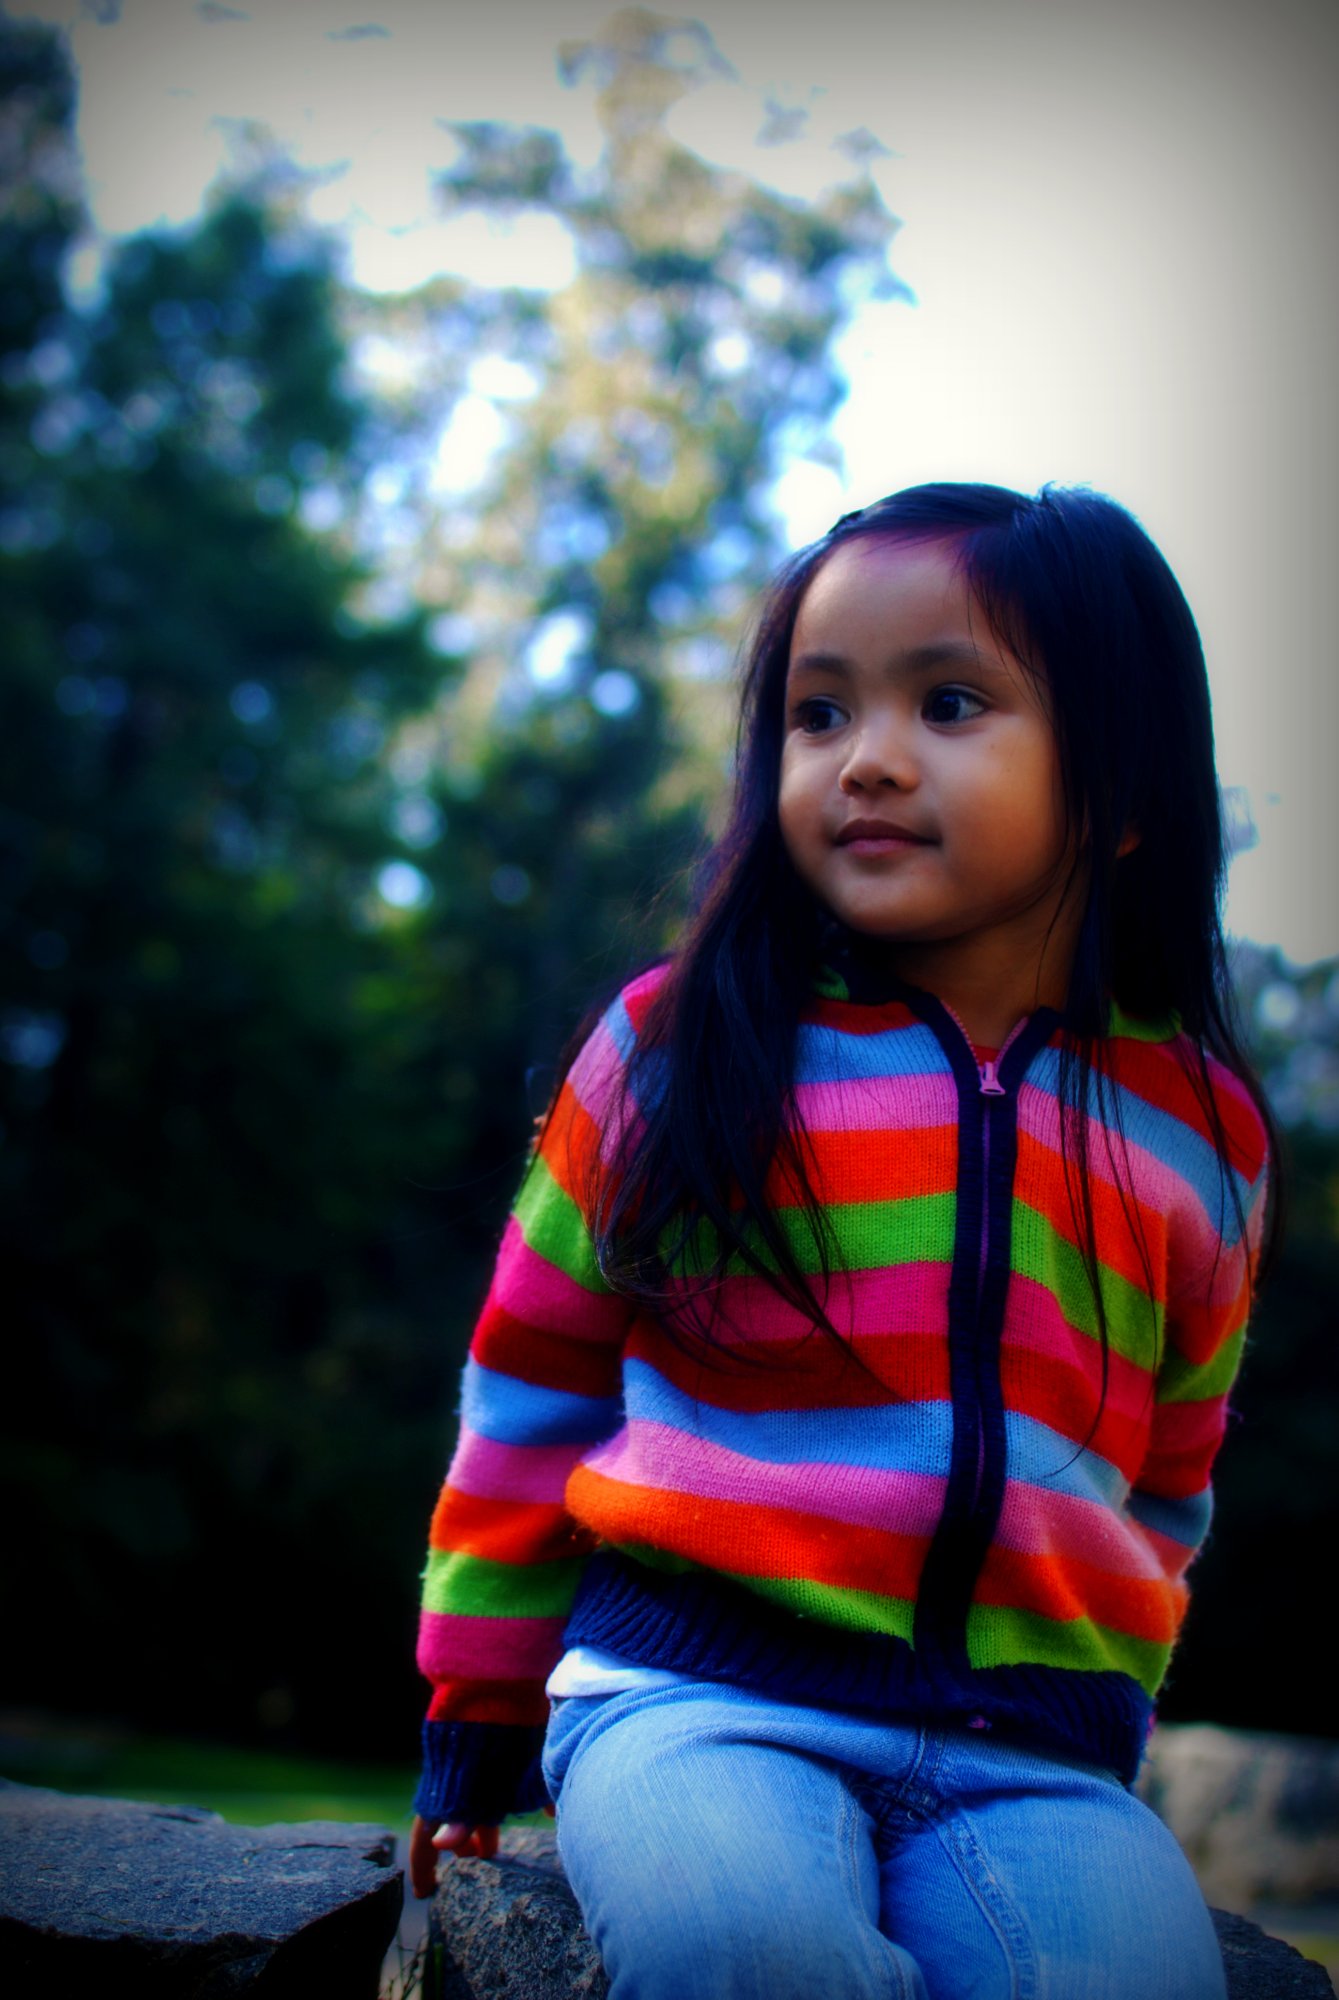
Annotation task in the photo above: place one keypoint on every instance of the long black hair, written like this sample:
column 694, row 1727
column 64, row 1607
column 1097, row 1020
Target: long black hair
column 1078, row 591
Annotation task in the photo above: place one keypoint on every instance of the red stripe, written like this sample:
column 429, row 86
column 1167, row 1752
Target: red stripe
column 515, row 1531
column 520, row 1703
column 872, row 1165
column 1186, row 1437
column 867, row 1373
column 550, row 1360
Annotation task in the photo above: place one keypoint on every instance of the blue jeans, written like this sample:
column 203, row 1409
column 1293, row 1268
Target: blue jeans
column 728, row 1846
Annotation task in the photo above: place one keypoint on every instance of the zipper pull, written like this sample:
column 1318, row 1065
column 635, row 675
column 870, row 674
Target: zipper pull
column 990, row 1082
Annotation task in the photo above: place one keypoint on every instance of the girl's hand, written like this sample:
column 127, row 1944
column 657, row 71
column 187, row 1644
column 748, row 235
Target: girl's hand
column 429, row 1837
column 458, row 1837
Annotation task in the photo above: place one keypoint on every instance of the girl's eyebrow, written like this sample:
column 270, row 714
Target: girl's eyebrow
column 917, row 660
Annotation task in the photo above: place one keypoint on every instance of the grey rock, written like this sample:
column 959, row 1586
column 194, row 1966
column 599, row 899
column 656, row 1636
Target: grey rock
column 511, row 1927
column 172, row 1903
column 1256, row 1814
column 1265, row 1968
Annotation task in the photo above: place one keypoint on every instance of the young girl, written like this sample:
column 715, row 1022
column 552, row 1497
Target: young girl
column 837, row 1431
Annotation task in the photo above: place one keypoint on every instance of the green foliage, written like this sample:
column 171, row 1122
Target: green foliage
column 1256, row 1648
column 260, row 1119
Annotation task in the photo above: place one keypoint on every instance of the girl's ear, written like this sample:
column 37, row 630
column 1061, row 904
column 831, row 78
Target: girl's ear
column 1129, row 840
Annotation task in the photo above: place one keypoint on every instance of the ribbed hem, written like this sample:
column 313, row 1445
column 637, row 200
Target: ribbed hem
column 697, row 1623
column 479, row 1772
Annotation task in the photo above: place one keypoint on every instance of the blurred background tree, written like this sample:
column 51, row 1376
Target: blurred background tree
column 328, row 806
column 336, row 780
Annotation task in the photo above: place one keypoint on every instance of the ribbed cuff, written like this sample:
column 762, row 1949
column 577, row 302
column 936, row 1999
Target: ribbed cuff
column 478, row 1772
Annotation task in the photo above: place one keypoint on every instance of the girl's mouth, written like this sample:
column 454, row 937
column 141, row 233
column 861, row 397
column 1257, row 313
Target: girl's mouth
column 878, row 836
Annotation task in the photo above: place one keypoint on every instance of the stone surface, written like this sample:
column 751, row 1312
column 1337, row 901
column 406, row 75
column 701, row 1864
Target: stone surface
column 1257, row 1814
column 108, row 1896
column 511, row 1928
column 1265, row 1968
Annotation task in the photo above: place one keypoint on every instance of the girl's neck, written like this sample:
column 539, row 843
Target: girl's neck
column 988, row 1000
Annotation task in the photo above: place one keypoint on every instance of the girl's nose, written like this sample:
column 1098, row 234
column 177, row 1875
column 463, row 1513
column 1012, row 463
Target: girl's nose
column 880, row 755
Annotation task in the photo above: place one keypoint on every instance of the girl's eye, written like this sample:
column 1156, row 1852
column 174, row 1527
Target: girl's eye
column 817, row 715
column 950, row 704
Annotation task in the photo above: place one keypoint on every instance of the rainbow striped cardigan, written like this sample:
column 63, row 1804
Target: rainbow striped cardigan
column 967, row 1517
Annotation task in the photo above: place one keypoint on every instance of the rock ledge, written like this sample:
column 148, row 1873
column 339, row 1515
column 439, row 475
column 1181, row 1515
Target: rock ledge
column 511, row 1927
column 173, row 1903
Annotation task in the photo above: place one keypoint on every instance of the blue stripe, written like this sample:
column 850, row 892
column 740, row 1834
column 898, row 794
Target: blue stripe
column 1040, row 1456
column 1185, row 1521
column 902, row 1437
column 618, row 1021
column 510, row 1412
column 830, row 1055
column 1178, row 1146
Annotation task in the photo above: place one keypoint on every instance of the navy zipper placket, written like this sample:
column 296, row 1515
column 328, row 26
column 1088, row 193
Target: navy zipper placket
column 978, row 1286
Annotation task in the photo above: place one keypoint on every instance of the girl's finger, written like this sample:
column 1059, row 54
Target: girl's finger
column 458, row 1837
column 422, row 1858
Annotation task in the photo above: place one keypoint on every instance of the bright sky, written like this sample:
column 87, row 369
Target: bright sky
column 1118, row 221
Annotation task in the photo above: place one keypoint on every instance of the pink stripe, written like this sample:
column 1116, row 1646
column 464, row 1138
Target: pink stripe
column 908, row 1299
column 1036, row 1325
column 1035, row 1522
column 860, row 1104
column 597, row 1073
column 451, row 1647
column 531, row 1289
column 492, row 1471
column 1173, row 1557
column 659, row 1458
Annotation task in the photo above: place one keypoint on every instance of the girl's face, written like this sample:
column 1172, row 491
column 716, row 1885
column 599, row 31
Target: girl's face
column 921, row 794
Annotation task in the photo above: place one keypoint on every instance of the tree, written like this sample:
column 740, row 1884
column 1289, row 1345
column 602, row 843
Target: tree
column 194, row 817
column 261, row 1118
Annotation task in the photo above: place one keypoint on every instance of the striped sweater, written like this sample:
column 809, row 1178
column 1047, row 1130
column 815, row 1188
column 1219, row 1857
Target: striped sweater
column 970, row 1515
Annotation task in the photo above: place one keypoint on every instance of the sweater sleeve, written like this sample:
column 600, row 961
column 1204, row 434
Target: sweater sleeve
column 541, row 1388
column 1204, row 1336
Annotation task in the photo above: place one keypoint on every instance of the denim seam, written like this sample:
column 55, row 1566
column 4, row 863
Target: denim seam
column 955, row 1834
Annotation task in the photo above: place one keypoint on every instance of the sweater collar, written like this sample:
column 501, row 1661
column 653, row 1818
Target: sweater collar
column 853, row 969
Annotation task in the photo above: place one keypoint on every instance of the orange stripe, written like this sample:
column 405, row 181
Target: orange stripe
column 750, row 1540
column 1066, row 1589
column 571, row 1147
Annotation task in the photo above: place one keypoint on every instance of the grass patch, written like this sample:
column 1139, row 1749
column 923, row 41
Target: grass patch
column 245, row 1785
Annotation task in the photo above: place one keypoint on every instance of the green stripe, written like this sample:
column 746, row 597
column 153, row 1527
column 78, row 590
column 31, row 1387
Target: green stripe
column 860, row 1232
column 1182, row 1382
column 555, row 1228
column 1135, row 1030
column 1134, row 1321
column 473, row 1587
column 999, row 1636
column 852, row 1610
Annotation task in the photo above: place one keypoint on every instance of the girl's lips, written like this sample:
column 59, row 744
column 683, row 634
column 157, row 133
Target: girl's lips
column 868, row 836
